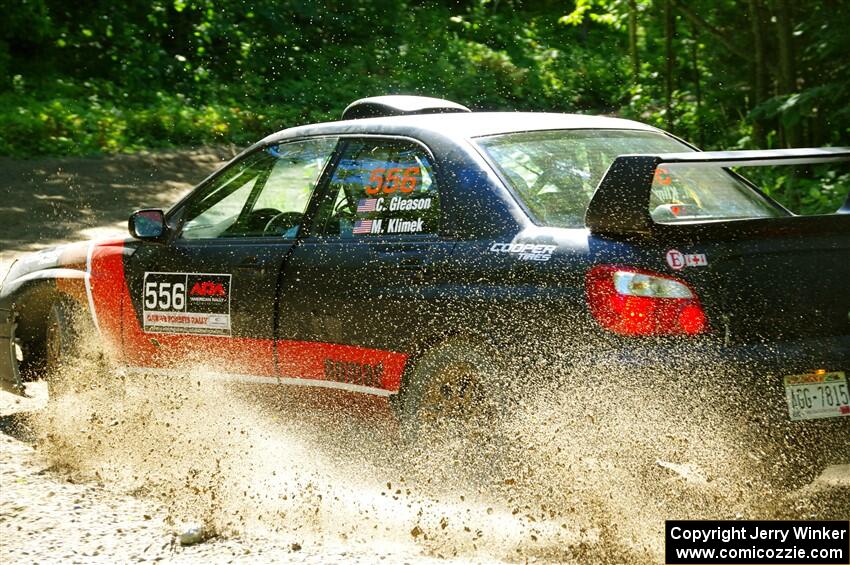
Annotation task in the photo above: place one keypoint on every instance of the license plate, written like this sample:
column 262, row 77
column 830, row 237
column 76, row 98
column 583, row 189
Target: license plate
column 817, row 395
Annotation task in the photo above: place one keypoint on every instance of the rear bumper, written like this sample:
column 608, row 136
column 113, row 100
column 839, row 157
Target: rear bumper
column 832, row 353
column 781, row 358
column 745, row 382
column 752, row 369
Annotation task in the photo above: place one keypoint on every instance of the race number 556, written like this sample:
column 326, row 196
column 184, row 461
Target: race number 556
column 161, row 295
column 387, row 181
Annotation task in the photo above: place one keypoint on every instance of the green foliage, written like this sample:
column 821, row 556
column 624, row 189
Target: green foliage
column 100, row 76
column 62, row 124
column 808, row 191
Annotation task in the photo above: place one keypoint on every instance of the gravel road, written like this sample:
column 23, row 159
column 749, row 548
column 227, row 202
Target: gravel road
column 51, row 513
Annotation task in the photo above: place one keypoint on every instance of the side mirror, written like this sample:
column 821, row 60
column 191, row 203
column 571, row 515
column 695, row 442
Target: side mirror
column 147, row 224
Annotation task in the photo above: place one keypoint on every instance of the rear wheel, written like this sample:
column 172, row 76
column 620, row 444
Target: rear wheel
column 451, row 389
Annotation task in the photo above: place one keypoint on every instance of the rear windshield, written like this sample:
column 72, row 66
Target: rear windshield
column 554, row 173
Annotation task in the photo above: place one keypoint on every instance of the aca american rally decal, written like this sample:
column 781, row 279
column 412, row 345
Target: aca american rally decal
column 186, row 303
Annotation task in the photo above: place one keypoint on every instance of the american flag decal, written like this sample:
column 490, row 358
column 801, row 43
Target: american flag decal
column 362, row 226
column 367, row 205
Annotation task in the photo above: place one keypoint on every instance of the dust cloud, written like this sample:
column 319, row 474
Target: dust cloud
column 583, row 466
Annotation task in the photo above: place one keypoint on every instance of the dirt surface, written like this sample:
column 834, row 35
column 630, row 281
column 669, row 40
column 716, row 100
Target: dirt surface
column 117, row 468
column 50, row 514
column 103, row 477
column 48, row 201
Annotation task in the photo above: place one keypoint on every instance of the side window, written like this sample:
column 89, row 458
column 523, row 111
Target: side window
column 265, row 195
column 216, row 208
column 380, row 187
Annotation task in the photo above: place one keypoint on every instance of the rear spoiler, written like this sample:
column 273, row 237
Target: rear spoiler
column 620, row 204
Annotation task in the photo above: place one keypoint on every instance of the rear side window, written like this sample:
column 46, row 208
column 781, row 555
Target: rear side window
column 683, row 193
column 380, row 187
column 555, row 173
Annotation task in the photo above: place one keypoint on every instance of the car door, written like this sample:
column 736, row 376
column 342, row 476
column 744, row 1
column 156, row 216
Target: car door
column 208, row 296
column 362, row 288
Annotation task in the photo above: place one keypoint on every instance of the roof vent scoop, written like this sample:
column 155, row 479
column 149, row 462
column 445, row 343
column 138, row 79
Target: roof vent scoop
column 382, row 106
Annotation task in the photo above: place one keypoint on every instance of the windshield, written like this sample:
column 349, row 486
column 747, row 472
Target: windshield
column 554, row 173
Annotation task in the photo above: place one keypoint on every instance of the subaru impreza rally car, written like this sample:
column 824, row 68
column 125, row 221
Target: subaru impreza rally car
column 391, row 253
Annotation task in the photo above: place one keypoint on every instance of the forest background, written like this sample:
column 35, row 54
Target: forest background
column 98, row 76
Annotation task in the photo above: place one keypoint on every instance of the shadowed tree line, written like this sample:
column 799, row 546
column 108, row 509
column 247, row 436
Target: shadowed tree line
column 102, row 76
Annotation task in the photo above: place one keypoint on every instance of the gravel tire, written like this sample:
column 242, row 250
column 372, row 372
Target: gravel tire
column 453, row 387
column 61, row 344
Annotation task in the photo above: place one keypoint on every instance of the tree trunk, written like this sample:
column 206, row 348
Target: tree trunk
column 670, row 59
column 706, row 26
column 787, row 64
column 697, row 85
column 760, row 76
column 633, row 32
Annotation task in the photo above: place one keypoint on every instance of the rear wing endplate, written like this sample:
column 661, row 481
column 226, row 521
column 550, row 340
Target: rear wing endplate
column 620, row 204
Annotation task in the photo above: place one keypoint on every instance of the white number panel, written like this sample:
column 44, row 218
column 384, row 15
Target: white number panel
column 186, row 303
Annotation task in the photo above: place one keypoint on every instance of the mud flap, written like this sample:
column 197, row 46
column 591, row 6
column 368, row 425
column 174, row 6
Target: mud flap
column 10, row 377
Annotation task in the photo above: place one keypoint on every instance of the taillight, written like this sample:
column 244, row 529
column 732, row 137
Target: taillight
column 630, row 301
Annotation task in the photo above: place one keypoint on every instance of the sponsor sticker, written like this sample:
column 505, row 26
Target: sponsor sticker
column 525, row 251
column 186, row 303
column 678, row 260
column 363, row 374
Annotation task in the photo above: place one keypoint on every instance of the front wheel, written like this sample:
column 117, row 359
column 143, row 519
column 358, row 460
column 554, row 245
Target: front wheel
column 71, row 348
column 59, row 347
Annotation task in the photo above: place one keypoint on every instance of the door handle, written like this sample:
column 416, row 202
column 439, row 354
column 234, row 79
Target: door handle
column 250, row 264
column 401, row 257
column 411, row 262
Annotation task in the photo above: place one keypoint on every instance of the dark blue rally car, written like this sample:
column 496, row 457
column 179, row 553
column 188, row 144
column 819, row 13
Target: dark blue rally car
column 401, row 252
